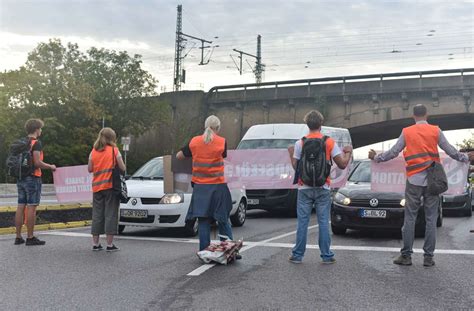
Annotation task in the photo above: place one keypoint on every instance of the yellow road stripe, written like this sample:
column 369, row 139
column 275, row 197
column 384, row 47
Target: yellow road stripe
column 9, row 209
column 52, row 226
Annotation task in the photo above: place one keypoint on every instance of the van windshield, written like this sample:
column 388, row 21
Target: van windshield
column 266, row 144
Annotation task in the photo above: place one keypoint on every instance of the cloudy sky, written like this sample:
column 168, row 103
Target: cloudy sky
column 300, row 39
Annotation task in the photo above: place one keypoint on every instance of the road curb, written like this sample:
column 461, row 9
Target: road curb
column 51, row 226
column 12, row 209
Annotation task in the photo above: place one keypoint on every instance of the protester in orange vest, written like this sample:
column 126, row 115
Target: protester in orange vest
column 211, row 199
column 29, row 187
column 420, row 144
column 105, row 203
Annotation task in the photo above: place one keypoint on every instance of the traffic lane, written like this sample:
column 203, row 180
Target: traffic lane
column 260, row 225
column 454, row 234
column 65, row 274
column 265, row 279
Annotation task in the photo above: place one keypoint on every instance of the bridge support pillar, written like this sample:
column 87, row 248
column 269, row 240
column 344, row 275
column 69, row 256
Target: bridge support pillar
column 266, row 112
column 375, row 103
column 466, row 94
column 405, row 103
column 347, row 107
column 435, row 98
column 292, row 108
column 240, row 107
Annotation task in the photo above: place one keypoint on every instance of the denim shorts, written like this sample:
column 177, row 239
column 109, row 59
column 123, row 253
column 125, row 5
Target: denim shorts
column 29, row 190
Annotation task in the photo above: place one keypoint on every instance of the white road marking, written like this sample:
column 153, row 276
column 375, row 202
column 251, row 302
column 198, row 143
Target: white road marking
column 266, row 243
column 249, row 245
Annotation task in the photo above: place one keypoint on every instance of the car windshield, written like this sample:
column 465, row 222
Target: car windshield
column 266, row 143
column 153, row 169
column 361, row 173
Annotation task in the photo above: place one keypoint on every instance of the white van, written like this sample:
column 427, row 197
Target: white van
column 280, row 136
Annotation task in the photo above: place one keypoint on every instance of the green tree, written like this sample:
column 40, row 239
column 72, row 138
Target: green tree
column 468, row 143
column 72, row 92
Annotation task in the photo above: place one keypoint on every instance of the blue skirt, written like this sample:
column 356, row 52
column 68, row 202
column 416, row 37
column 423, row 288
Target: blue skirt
column 210, row 201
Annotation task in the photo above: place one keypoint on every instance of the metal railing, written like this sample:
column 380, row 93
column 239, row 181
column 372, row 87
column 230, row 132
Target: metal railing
column 343, row 79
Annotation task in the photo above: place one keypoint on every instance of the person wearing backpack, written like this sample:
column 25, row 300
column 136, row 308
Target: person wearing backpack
column 27, row 170
column 103, row 158
column 311, row 158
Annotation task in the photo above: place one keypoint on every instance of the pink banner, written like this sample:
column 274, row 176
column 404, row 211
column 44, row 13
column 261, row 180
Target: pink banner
column 390, row 176
column 73, row 184
column 268, row 169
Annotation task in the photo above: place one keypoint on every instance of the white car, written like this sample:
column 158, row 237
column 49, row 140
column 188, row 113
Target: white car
column 148, row 206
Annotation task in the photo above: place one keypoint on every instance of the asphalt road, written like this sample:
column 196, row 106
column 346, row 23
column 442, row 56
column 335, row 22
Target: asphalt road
column 151, row 272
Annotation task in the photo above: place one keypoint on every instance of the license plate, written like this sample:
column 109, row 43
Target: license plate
column 253, row 201
column 373, row 213
column 133, row 213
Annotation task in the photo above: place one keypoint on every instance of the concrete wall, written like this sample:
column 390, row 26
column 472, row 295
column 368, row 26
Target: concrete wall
column 372, row 110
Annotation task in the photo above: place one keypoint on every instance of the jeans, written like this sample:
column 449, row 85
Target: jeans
column 320, row 199
column 29, row 190
column 413, row 196
column 205, row 231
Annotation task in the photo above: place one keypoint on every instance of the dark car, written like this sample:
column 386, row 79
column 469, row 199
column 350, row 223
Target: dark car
column 355, row 206
column 459, row 203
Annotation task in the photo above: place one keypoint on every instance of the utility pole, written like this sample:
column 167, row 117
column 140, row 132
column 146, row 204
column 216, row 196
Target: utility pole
column 178, row 49
column 259, row 66
column 179, row 73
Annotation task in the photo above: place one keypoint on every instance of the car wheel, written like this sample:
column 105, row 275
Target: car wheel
column 238, row 219
column 121, row 228
column 191, row 227
column 338, row 230
column 468, row 212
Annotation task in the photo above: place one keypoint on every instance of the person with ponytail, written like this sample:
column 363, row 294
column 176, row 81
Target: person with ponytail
column 105, row 203
column 211, row 200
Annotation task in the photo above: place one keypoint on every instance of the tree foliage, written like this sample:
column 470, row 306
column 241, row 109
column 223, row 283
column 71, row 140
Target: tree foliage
column 468, row 143
column 75, row 93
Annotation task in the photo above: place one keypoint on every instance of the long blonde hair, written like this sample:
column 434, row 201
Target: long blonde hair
column 106, row 137
column 212, row 124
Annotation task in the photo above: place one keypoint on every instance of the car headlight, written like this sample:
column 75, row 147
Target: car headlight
column 342, row 199
column 402, row 202
column 172, row 198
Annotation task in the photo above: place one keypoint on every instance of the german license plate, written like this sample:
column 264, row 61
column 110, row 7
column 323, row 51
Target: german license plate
column 253, row 201
column 133, row 213
column 373, row 213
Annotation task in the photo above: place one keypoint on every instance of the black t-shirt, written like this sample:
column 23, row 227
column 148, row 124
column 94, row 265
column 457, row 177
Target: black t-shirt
column 38, row 146
column 187, row 151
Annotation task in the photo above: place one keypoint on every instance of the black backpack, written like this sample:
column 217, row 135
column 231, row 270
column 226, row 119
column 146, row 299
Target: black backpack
column 20, row 159
column 314, row 167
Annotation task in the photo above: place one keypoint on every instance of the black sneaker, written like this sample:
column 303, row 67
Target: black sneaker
column 19, row 241
column 34, row 241
column 97, row 248
column 112, row 248
column 428, row 261
column 403, row 260
column 238, row 256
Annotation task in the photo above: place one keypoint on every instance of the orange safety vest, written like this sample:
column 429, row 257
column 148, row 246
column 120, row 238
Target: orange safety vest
column 421, row 147
column 37, row 171
column 329, row 147
column 103, row 165
column 208, row 162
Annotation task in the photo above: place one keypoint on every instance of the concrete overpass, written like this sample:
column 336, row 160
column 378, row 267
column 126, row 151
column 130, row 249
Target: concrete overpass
column 373, row 107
